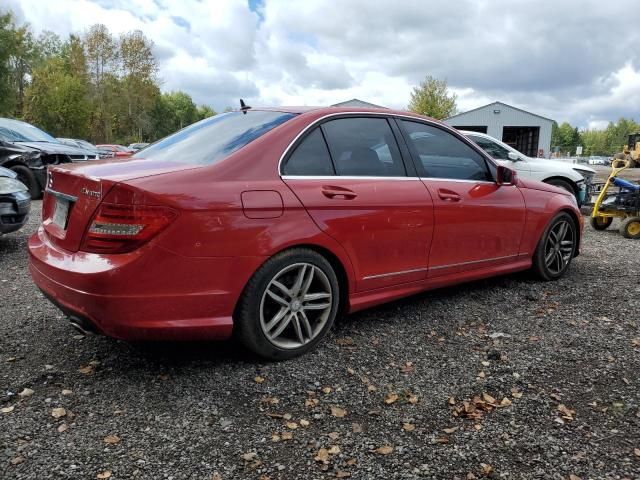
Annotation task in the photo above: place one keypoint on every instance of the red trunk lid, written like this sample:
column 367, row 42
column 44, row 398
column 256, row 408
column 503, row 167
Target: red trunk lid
column 78, row 189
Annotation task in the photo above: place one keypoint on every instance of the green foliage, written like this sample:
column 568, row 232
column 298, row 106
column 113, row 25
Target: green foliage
column 7, row 41
column 432, row 98
column 57, row 100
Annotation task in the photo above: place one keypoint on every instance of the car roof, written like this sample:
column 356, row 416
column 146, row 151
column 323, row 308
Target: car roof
column 337, row 110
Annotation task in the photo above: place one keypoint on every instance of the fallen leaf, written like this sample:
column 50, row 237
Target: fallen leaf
column 292, row 425
column 351, row 462
column 342, row 474
column 345, row 342
column 338, row 412
column 66, row 393
column 351, row 371
column 356, row 428
column 304, row 423
column 486, row 469
column 275, row 437
column 7, row 409
column 286, row 435
column 636, row 451
column 333, row 435
column 534, row 338
column 443, row 440
column 249, row 456
column 258, row 379
column 408, row 367
column 371, row 388
column 17, row 460
column 515, row 393
column 322, row 456
column 505, row 402
column 111, row 439
column 86, row 371
column 450, row 430
column 334, row 450
column 488, row 398
column 27, row 392
column 384, row 450
column 103, row 475
column 574, row 477
column 58, row 412
column 391, row 398
column 636, row 342
column 413, row 399
column 452, row 401
column 63, row 427
column 481, row 374
column 326, row 390
column 566, row 412
column 408, row 427
column 311, row 402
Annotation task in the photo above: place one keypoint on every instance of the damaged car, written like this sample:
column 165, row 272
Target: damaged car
column 28, row 151
column 15, row 202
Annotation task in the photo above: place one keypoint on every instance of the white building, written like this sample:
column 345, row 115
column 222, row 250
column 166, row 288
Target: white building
column 525, row 131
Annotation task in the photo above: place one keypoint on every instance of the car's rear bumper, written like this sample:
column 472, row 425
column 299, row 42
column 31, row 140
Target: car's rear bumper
column 150, row 294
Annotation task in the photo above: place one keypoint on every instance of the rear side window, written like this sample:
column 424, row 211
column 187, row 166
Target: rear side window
column 214, row 138
column 364, row 147
column 492, row 148
column 444, row 156
column 311, row 157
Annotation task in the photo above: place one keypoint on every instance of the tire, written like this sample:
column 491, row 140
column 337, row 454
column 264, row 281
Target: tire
column 26, row 176
column 630, row 227
column 601, row 223
column 270, row 318
column 556, row 182
column 553, row 256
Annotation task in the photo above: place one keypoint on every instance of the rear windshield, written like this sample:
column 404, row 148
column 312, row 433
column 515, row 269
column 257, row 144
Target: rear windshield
column 214, row 138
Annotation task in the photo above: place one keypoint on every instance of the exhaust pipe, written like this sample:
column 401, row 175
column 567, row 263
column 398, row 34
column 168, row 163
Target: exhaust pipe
column 81, row 326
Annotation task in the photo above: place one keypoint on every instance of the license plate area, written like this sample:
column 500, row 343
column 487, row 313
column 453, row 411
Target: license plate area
column 61, row 213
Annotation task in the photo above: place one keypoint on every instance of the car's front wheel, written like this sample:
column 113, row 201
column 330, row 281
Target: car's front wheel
column 288, row 306
column 556, row 247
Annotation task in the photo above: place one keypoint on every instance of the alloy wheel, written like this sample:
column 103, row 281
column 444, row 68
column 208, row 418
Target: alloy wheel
column 559, row 247
column 296, row 305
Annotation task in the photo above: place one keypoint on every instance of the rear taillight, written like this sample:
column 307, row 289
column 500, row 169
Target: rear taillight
column 118, row 228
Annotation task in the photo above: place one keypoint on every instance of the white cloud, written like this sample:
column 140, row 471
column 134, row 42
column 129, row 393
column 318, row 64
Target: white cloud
column 558, row 59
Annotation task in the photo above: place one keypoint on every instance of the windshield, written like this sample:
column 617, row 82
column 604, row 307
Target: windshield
column 85, row 144
column 214, row 138
column 16, row 131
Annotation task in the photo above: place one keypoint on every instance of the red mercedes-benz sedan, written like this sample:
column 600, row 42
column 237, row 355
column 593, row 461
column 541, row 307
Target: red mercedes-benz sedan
column 268, row 223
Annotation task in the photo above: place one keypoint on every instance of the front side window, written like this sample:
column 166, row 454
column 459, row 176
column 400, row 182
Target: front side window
column 492, row 148
column 311, row 157
column 442, row 155
column 363, row 147
column 215, row 138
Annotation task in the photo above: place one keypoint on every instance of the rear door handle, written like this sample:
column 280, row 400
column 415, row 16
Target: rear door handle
column 448, row 195
column 330, row 191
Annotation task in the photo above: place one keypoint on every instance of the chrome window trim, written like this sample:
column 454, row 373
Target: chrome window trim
column 345, row 177
column 458, row 180
column 359, row 114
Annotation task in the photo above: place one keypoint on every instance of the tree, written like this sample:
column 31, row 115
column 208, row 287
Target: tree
column 7, row 41
column 432, row 98
column 57, row 100
column 205, row 111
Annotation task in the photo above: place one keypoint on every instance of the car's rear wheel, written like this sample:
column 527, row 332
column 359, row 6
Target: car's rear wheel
column 601, row 223
column 26, row 176
column 289, row 305
column 630, row 227
column 556, row 248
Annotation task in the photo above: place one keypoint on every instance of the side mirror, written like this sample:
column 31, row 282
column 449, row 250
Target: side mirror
column 506, row 176
column 513, row 156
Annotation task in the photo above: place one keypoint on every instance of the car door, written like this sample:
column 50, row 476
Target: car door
column 477, row 223
column 501, row 154
column 350, row 175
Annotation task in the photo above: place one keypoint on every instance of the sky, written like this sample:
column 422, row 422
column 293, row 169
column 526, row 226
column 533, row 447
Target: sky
column 575, row 61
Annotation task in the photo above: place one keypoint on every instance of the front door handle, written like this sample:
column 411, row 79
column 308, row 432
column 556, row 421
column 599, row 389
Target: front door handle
column 331, row 191
column 448, row 195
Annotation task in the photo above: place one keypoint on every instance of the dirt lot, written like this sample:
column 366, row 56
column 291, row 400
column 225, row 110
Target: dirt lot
column 602, row 173
column 559, row 364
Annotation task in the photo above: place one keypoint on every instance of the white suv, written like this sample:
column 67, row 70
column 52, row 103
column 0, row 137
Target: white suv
column 574, row 178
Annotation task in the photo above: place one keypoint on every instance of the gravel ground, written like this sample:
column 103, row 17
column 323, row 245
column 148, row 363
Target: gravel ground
column 381, row 398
